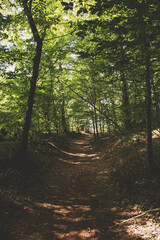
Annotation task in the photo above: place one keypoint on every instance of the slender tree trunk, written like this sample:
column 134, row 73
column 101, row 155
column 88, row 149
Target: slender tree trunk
column 156, row 99
column 55, row 118
column 64, row 125
column 100, row 125
column 108, row 128
column 94, row 128
column 100, row 119
column 149, row 119
column 125, row 101
column 114, row 111
column 103, row 125
column 27, row 123
column 77, row 126
column 96, row 123
column 94, row 100
column 53, row 107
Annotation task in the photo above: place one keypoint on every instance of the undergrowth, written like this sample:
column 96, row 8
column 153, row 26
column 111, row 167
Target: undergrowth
column 15, row 170
column 129, row 170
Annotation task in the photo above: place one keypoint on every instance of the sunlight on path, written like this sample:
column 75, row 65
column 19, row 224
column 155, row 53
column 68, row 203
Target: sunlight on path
column 74, row 200
column 81, row 155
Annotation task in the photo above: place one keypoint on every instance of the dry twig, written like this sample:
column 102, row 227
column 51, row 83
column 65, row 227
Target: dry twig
column 137, row 216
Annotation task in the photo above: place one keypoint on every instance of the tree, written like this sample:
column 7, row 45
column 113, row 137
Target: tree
column 38, row 38
column 36, row 62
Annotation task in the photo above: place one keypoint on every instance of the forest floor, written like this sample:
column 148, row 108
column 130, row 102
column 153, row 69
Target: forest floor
column 74, row 191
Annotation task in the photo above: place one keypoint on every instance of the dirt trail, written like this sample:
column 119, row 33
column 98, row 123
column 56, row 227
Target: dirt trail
column 72, row 201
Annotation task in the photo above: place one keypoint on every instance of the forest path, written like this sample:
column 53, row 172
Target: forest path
column 72, row 201
column 81, row 203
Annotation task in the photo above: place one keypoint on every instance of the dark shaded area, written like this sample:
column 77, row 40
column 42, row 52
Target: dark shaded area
column 5, row 235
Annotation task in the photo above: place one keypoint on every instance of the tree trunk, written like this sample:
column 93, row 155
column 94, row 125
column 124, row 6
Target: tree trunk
column 96, row 124
column 36, row 62
column 125, row 101
column 156, row 100
column 114, row 111
column 103, row 125
column 64, row 125
column 27, row 123
column 146, row 55
column 55, row 118
column 94, row 128
column 100, row 125
column 101, row 119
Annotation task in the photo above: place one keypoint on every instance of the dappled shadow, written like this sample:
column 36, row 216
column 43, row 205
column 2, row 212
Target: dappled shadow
column 70, row 201
column 69, row 218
